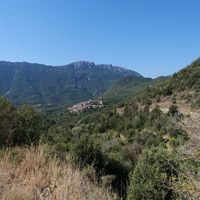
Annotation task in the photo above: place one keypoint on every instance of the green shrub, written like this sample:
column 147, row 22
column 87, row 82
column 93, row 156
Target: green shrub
column 21, row 126
column 85, row 152
column 173, row 109
column 152, row 176
column 29, row 126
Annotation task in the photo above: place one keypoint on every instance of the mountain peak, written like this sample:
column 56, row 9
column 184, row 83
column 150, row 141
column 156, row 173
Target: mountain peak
column 83, row 63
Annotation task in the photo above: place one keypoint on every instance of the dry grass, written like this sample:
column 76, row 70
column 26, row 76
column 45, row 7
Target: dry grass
column 38, row 178
column 165, row 102
column 189, row 179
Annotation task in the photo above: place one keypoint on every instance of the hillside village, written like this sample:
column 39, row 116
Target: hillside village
column 85, row 105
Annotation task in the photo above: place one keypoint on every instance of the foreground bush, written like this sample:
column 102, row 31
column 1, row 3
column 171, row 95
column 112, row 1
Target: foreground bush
column 152, row 177
column 20, row 126
column 86, row 153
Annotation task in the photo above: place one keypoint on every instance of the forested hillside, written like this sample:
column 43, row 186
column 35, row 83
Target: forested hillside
column 128, row 88
column 144, row 148
column 44, row 85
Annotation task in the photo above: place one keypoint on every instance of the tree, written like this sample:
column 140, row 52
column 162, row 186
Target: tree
column 7, row 122
column 29, row 126
column 22, row 126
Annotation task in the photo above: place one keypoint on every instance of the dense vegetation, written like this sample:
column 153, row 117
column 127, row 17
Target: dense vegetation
column 135, row 148
column 127, row 88
column 184, row 85
column 21, row 126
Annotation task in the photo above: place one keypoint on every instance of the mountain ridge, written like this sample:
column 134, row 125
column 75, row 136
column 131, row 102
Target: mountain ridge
column 33, row 83
column 78, row 64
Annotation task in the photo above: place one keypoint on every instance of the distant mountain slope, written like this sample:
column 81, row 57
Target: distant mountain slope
column 125, row 89
column 128, row 88
column 24, row 82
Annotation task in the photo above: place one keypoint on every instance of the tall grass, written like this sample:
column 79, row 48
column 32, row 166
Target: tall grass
column 36, row 177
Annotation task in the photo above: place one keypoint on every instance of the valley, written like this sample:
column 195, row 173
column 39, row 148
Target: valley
column 146, row 133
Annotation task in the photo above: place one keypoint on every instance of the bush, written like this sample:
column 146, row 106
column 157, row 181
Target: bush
column 29, row 126
column 85, row 152
column 151, row 176
column 173, row 109
column 22, row 126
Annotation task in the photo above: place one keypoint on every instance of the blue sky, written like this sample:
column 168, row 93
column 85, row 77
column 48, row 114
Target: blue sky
column 153, row 37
